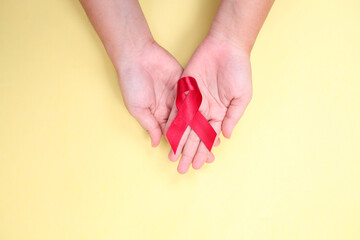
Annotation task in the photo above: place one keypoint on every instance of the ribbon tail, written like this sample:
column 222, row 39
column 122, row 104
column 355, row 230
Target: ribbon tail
column 175, row 132
column 204, row 130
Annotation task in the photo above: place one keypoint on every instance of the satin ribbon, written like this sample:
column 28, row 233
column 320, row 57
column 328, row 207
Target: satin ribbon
column 188, row 101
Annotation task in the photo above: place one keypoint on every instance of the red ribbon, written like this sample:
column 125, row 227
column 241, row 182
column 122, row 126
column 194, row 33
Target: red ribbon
column 188, row 101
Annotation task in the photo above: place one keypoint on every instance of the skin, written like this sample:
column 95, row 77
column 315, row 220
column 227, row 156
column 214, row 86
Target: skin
column 223, row 74
column 221, row 66
column 148, row 74
column 148, row 84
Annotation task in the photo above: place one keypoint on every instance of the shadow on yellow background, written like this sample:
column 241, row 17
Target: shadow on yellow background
column 75, row 165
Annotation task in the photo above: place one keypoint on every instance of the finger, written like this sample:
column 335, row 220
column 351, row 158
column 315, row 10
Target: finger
column 170, row 111
column 189, row 152
column 235, row 110
column 203, row 153
column 171, row 118
column 211, row 158
column 217, row 142
column 201, row 156
column 149, row 123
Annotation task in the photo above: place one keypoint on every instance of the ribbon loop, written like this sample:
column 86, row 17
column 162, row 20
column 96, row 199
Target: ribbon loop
column 188, row 101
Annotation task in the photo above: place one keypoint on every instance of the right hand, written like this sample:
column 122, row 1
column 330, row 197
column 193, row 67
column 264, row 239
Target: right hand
column 223, row 72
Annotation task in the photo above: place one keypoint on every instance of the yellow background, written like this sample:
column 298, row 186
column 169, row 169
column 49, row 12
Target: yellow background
column 75, row 165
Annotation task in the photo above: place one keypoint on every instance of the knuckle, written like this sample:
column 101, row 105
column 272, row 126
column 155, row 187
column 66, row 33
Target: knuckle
column 152, row 128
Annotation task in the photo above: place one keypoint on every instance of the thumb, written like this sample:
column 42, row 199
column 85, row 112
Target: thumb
column 149, row 123
column 235, row 110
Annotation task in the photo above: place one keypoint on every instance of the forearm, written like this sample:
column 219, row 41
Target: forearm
column 120, row 25
column 240, row 21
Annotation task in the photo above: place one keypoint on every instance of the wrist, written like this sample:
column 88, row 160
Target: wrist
column 238, row 23
column 131, row 51
column 226, row 36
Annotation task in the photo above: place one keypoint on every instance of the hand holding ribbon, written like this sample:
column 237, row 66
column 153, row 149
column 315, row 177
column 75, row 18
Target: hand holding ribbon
column 222, row 72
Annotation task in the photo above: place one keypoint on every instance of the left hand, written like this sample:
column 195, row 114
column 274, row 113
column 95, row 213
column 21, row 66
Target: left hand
column 223, row 73
column 147, row 78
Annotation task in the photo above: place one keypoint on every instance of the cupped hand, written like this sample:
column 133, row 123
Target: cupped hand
column 223, row 72
column 148, row 77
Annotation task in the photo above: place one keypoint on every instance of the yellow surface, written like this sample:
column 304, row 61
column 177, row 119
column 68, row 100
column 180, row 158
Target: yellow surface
column 75, row 165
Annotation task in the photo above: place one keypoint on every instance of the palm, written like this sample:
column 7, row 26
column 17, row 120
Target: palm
column 224, row 78
column 222, row 74
column 148, row 83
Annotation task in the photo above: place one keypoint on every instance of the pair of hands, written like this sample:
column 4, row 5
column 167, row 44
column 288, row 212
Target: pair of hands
column 148, row 74
column 148, row 82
